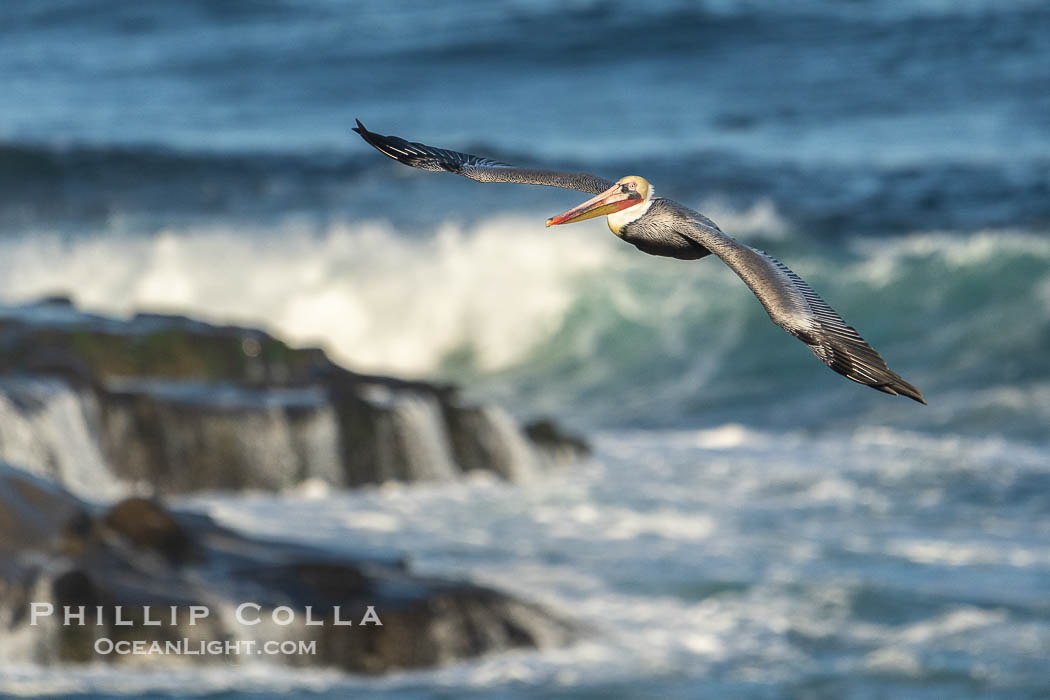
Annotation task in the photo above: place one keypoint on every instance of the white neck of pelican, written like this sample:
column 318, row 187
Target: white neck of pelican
column 618, row 219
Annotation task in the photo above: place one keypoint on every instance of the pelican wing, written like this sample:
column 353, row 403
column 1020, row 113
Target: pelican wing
column 796, row 308
column 480, row 169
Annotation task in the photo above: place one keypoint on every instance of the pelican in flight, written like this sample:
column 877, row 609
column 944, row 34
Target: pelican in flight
column 660, row 226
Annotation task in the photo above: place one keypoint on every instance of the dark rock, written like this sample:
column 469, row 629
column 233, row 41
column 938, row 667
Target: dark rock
column 34, row 513
column 57, row 300
column 147, row 525
column 179, row 405
column 547, row 433
column 486, row 438
column 75, row 588
column 179, row 437
column 139, row 554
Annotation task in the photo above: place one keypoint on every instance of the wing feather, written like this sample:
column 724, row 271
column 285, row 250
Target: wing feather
column 477, row 168
column 794, row 306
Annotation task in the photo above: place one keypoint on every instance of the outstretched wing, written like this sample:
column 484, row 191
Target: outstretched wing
column 425, row 157
column 796, row 308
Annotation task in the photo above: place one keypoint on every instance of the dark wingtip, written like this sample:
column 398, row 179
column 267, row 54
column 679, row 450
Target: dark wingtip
column 360, row 128
column 898, row 387
column 906, row 389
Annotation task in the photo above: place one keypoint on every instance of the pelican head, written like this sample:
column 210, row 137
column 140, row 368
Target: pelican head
column 630, row 195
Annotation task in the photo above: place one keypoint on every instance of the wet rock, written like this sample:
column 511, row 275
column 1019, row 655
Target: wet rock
column 486, row 438
column 177, row 405
column 34, row 513
column 547, row 433
column 178, row 437
column 145, row 558
column 144, row 524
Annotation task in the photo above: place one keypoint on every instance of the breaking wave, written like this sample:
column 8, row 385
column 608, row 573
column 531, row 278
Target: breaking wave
column 575, row 320
column 377, row 300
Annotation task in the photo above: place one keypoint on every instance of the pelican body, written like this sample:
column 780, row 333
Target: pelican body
column 660, row 226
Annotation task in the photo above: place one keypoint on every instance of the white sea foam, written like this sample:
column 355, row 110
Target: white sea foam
column 894, row 661
column 947, row 553
column 882, row 258
column 761, row 220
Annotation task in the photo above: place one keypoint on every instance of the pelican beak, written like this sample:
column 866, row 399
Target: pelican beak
column 614, row 199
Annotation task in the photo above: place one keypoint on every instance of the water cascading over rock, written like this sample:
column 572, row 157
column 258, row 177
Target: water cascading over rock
column 174, row 405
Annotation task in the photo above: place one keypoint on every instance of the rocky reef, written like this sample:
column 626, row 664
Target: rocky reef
column 176, row 405
column 139, row 573
column 95, row 412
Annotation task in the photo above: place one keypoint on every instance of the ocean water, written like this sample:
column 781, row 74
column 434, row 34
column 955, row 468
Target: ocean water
column 726, row 562
column 753, row 525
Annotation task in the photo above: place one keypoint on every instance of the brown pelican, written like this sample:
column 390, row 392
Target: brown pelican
column 660, row 226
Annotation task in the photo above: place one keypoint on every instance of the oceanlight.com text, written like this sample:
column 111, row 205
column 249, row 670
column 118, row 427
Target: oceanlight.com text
column 196, row 647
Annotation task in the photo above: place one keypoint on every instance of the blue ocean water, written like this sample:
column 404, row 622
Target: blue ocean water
column 781, row 531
